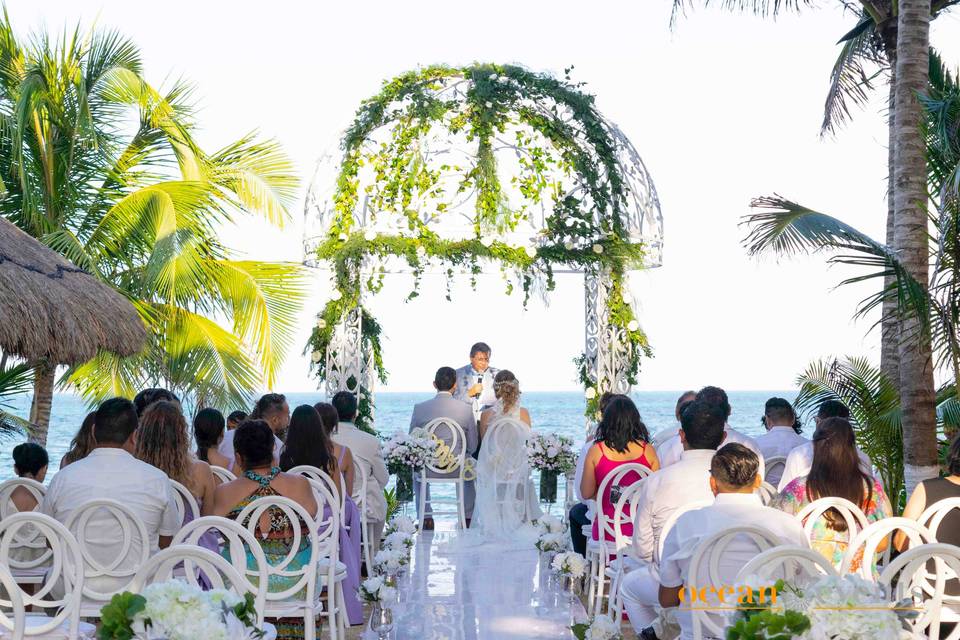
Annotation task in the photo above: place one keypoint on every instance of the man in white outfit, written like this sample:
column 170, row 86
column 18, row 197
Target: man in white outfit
column 782, row 436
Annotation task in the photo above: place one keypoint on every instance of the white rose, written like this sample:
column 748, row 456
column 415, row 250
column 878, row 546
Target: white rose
column 316, row 356
column 370, row 235
column 568, row 245
column 336, row 295
column 503, row 79
column 571, row 222
column 321, row 323
column 590, row 393
column 633, row 325
column 530, row 251
column 493, row 77
column 552, row 452
column 598, row 249
column 489, row 105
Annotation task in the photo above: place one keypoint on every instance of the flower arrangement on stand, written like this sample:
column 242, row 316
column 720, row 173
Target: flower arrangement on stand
column 830, row 608
column 379, row 595
column 405, row 453
column 176, row 610
column 570, row 567
column 600, row 628
column 403, row 524
column 552, row 455
column 551, row 543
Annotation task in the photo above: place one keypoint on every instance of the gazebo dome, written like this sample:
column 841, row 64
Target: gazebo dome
column 485, row 152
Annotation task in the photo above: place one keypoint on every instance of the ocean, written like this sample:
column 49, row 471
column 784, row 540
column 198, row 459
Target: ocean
column 560, row 412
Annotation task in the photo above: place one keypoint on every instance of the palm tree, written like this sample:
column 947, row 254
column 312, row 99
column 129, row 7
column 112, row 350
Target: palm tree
column 103, row 168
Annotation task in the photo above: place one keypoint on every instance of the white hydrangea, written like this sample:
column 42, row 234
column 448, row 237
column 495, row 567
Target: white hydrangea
column 551, row 542
column 550, row 452
column 376, row 589
column 846, row 607
column 550, row 524
column 398, row 540
column 181, row 611
column 602, row 628
column 403, row 524
column 570, row 563
column 390, row 561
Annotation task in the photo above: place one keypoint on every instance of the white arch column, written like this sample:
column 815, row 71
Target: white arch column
column 606, row 345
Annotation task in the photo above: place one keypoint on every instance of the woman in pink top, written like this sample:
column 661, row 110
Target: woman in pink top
column 622, row 438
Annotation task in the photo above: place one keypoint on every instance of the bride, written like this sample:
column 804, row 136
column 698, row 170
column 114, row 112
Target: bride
column 506, row 502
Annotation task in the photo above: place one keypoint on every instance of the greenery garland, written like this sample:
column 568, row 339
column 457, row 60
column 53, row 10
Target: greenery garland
column 480, row 103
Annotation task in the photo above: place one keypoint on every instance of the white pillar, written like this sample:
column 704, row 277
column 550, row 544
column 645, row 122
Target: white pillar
column 606, row 346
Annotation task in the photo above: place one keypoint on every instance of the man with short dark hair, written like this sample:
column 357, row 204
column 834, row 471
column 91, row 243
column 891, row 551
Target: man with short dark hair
column 148, row 396
column 781, row 436
column 733, row 479
column 475, row 380
column 444, row 405
column 275, row 411
column 111, row 471
column 235, row 418
column 365, row 448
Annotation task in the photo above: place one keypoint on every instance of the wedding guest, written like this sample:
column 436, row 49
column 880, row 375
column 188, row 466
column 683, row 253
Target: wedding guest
column 163, row 442
column 475, row 380
column 670, row 451
column 444, row 405
column 258, row 476
column 30, row 461
column 365, row 448
column 665, row 434
column 581, row 514
column 329, row 419
column 308, row 444
column 834, row 473
column 82, row 443
column 148, row 396
column 208, row 430
column 801, row 457
column 733, row 479
column 235, row 418
column 782, row 436
column 621, row 438
column 274, row 410
column 111, row 471
column 663, row 492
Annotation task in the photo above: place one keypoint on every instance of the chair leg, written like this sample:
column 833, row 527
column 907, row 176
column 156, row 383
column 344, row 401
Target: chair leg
column 591, row 586
column 422, row 505
column 461, row 507
column 601, row 582
column 309, row 624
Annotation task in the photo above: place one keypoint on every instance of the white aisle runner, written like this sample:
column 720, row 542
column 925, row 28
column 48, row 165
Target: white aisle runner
column 479, row 596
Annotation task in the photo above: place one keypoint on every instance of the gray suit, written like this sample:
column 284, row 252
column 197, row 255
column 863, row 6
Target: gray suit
column 444, row 405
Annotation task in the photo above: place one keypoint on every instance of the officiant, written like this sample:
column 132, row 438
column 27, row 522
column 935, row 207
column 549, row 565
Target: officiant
column 475, row 380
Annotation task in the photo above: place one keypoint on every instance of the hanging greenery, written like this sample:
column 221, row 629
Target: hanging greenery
column 566, row 189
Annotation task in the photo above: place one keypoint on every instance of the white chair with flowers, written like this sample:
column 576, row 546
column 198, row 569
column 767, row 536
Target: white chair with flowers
column 447, row 466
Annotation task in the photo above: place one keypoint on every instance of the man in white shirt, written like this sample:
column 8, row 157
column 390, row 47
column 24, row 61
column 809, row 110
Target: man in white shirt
column 475, row 380
column 733, row 480
column 782, row 434
column 111, row 471
column 665, row 491
column 665, row 434
column 800, row 459
column 669, row 452
column 365, row 448
column 273, row 409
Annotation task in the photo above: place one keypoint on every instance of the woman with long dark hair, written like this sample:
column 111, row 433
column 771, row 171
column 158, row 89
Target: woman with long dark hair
column 82, row 443
column 208, row 429
column 329, row 418
column 621, row 438
column 308, row 444
column 836, row 472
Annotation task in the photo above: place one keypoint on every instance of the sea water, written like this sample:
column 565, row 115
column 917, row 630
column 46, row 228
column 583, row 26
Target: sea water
column 560, row 412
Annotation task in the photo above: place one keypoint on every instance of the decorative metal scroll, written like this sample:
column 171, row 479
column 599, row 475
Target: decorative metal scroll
column 607, row 346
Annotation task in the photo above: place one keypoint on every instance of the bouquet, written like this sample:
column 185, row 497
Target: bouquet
column 408, row 451
column 403, row 524
column 376, row 590
column 390, row 561
column 600, row 628
column 551, row 452
column 398, row 541
column 550, row 524
column 570, row 564
column 176, row 610
column 551, row 542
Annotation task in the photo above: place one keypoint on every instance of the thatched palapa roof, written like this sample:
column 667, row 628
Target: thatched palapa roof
column 51, row 309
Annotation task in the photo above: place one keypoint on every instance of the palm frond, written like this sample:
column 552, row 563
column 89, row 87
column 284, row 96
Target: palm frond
column 762, row 8
column 858, row 65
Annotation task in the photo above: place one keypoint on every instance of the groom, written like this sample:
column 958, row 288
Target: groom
column 475, row 380
column 444, row 405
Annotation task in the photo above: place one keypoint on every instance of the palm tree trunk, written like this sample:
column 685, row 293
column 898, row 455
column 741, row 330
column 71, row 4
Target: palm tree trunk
column 889, row 324
column 44, row 376
column 917, row 393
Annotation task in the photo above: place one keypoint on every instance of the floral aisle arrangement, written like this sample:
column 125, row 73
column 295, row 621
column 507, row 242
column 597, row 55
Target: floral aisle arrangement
column 405, row 453
column 600, row 628
column 379, row 595
column 831, row 608
column 552, row 455
column 570, row 567
column 551, row 543
column 403, row 524
column 176, row 610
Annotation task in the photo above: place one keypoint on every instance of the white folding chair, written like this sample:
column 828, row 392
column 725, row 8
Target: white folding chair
column 907, row 577
column 359, row 496
column 787, row 562
column 185, row 501
column 238, row 542
column 599, row 551
column 309, row 577
column 706, row 558
column 29, row 556
column 872, row 536
column 766, row 491
column 626, row 554
column 58, row 591
column 107, row 570
column 851, row 514
column 452, row 466
column 774, row 469
column 932, row 516
column 314, row 473
column 222, row 475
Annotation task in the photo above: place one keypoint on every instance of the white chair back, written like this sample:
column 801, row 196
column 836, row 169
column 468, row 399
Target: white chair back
column 62, row 584
column 907, row 577
column 605, row 525
column 851, row 513
column 186, row 562
column 294, row 578
column 449, row 431
column 625, row 511
column 788, row 562
column 670, row 521
column 185, row 501
column 766, row 491
column 314, row 473
column 872, row 536
column 236, row 541
column 118, row 564
column 707, row 557
column 359, row 496
column 13, row 613
column 933, row 516
column 29, row 551
column 222, row 475
column 774, row 466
